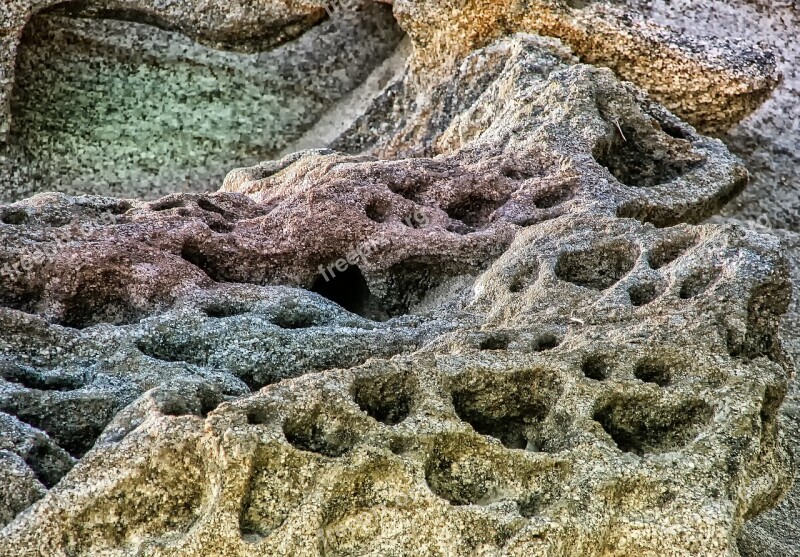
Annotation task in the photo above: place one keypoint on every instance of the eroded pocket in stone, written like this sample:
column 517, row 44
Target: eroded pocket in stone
column 698, row 282
column 643, row 293
column 669, row 250
column 645, row 424
column 507, row 406
column 598, row 267
column 647, row 159
column 597, row 366
column 317, row 431
column 387, row 397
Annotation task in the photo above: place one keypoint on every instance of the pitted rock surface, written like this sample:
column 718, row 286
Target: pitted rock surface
column 487, row 334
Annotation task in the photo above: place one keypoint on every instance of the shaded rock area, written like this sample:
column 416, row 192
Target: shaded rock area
column 490, row 318
column 769, row 142
column 122, row 108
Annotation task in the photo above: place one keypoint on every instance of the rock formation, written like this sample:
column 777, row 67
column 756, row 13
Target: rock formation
column 486, row 319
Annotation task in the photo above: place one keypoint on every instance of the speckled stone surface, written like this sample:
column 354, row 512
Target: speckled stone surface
column 533, row 356
column 488, row 321
column 769, row 143
column 122, row 108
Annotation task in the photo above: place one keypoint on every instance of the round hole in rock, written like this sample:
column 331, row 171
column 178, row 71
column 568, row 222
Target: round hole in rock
column 474, row 209
column 167, row 203
column 221, row 310
column 546, row 341
column 457, row 473
column 258, row 415
column 598, row 267
column 553, row 195
column 640, row 156
column 378, row 210
column 220, row 227
column 643, row 293
column 295, row 318
column 347, row 288
column 507, row 406
column 524, row 276
column 495, row 342
column 652, row 370
column 15, row 217
column 596, row 366
column 386, row 397
column 30, row 379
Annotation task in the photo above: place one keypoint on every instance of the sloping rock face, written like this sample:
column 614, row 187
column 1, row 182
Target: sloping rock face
column 769, row 143
column 159, row 113
column 484, row 323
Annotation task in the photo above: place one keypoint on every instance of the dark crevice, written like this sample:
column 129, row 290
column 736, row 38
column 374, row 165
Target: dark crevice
column 643, row 293
column 495, row 342
column 349, row 289
column 596, row 366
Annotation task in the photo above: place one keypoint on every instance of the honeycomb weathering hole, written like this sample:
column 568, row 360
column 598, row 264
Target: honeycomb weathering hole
column 598, row 267
column 643, row 425
column 698, row 282
column 596, row 366
column 314, row 431
column 387, row 397
column 645, row 160
column 643, row 293
column 652, row 370
column 669, row 250
column 509, row 407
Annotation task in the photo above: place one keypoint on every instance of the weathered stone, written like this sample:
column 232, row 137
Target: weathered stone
column 537, row 357
column 159, row 113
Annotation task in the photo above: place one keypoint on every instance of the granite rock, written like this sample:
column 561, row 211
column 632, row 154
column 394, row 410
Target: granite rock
column 485, row 323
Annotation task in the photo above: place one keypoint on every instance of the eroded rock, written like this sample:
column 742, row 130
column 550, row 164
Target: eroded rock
column 525, row 353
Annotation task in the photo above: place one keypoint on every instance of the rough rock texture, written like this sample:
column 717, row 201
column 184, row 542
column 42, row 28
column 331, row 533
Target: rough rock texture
column 769, row 143
column 164, row 111
column 158, row 113
column 495, row 339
